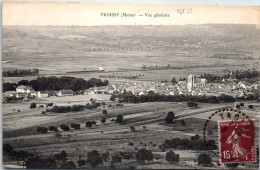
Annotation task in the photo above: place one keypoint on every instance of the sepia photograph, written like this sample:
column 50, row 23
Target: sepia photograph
column 130, row 86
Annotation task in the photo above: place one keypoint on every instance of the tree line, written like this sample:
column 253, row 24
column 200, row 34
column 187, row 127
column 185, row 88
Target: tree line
column 238, row 74
column 155, row 97
column 20, row 72
column 56, row 83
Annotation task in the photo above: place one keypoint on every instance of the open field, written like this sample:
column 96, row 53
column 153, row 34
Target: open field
column 20, row 131
column 38, row 47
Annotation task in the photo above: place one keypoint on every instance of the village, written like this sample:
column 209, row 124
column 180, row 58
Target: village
column 186, row 86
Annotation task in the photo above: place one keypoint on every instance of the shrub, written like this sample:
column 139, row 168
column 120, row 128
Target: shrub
column 237, row 106
column 132, row 128
column 75, row 125
column 195, row 137
column 250, row 106
column 33, row 106
column 103, row 120
column 119, row 119
column 172, row 157
column 169, row 118
column 68, row 165
column 42, row 129
column 143, row 155
column 65, row 127
column 94, row 158
column 44, row 112
column 81, row 163
column 116, row 159
column 105, row 112
column 49, row 104
column 204, row 160
column 89, row 124
column 105, row 156
column 7, row 148
column 53, row 128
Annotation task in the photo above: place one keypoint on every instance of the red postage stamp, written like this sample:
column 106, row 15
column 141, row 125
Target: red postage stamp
column 237, row 141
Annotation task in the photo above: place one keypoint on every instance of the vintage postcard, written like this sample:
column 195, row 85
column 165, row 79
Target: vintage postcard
column 130, row 86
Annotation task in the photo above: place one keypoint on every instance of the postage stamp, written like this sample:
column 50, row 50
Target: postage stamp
column 237, row 141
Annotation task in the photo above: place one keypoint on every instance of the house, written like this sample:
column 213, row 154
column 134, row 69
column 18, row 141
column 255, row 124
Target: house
column 101, row 69
column 10, row 94
column 23, row 89
column 42, row 94
column 21, row 95
column 26, row 99
column 65, row 93
column 89, row 91
column 33, row 93
column 101, row 89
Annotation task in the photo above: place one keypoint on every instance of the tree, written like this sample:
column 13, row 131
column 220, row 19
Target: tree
column 53, row 128
column 116, row 159
column 33, row 106
column 36, row 162
column 7, row 148
column 89, row 124
column 204, row 159
column 143, row 155
column 68, row 165
column 174, row 81
column 250, row 106
column 132, row 128
column 94, row 158
column 172, row 157
column 42, row 129
column 81, row 163
column 103, row 120
column 143, row 67
column 105, row 156
column 65, row 127
column 75, row 125
column 119, row 119
column 169, row 118
column 195, row 137
column 105, row 112
column 237, row 106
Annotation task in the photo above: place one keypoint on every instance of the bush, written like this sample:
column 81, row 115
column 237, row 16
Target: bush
column 75, row 125
column 81, row 163
column 62, row 156
column 103, row 120
column 119, row 119
column 94, row 158
column 68, row 165
column 169, row 118
column 237, row 106
column 172, row 157
column 116, row 159
column 132, row 128
column 204, row 160
column 143, row 155
column 53, row 128
column 195, row 137
column 42, row 129
column 7, row 148
column 250, row 106
column 44, row 112
column 33, row 106
column 65, row 127
column 89, row 124
column 105, row 112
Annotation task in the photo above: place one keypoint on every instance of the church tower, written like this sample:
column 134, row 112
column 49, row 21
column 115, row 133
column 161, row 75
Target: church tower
column 190, row 84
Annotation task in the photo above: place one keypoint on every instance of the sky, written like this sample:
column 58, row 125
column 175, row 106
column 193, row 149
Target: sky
column 89, row 14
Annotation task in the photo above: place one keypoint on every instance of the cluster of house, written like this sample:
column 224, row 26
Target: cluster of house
column 191, row 86
column 26, row 92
